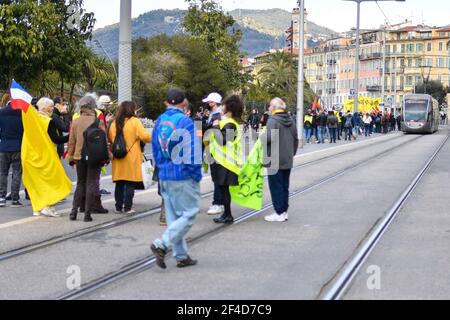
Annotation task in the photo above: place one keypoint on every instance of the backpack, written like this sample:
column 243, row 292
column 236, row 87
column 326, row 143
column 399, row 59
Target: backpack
column 119, row 147
column 166, row 127
column 377, row 120
column 333, row 121
column 95, row 148
column 348, row 123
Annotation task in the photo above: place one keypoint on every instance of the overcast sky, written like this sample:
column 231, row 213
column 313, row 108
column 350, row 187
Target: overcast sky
column 338, row 15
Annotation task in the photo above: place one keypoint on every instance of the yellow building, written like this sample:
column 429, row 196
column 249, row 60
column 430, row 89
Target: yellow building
column 414, row 55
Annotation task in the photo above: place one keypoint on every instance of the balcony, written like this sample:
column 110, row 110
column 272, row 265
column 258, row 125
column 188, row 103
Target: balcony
column 331, row 62
column 319, row 78
column 331, row 77
column 319, row 64
column 331, row 91
column 376, row 88
column 371, row 56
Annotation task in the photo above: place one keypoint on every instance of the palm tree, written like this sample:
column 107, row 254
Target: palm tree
column 95, row 68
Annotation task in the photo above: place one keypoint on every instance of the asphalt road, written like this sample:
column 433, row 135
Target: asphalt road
column 253, row 260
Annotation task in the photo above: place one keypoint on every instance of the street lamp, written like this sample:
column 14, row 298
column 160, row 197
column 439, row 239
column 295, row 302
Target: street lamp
column 99, row 45
column 301, row 81
column 358, row 15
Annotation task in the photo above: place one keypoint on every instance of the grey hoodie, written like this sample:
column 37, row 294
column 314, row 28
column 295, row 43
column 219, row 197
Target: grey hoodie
column 288, row 142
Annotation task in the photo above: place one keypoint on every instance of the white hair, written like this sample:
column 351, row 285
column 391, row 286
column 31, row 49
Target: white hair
column 44, row 103
column 278, row 103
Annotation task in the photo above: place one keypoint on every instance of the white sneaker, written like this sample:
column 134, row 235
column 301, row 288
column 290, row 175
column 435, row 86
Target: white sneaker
column 274, row 217
column 36, row 214
column 213, row 210
column 50, row 212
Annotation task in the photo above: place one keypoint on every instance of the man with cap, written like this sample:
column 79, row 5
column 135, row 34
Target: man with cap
column 214, row 101
column 179, row 175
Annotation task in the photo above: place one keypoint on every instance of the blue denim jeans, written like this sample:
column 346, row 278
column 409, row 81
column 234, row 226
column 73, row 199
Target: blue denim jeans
column 279, row 190
column 322, row 131
column 367, row 130
column 333, row 134
column 308, row 135
column 182, row 204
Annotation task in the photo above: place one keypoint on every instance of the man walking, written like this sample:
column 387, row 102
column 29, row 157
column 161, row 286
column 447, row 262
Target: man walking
column 322, row 126
column 214, row 101
column 179, row 178
column 279, row 175
column 11, row 134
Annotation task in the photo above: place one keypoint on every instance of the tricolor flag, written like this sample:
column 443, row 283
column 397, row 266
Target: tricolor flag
column 43, row 174
column 314, row 106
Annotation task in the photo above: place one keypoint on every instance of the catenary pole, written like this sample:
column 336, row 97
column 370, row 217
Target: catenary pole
column 125, row 89
column 301, row 81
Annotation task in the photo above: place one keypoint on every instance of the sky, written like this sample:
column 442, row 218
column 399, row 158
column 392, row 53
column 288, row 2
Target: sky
column 338, row 15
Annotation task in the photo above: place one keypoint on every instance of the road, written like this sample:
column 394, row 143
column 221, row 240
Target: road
column 341, row 193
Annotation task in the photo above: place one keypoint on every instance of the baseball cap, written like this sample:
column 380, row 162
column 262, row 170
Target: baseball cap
column 213, row 97
column 175, row 96
column 104, row 101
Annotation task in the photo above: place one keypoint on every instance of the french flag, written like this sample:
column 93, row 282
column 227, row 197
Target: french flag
column 20, row 99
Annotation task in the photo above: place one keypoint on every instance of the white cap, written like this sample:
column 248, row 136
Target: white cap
column 104, row 101
column 213, row 97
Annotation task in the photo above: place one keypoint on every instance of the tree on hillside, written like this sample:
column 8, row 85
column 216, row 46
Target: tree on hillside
column 434, row 88
column 207, row 22
column 38, row 39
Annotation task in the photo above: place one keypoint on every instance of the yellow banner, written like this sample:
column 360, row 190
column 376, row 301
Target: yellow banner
column 365, row 104
column 43, row 174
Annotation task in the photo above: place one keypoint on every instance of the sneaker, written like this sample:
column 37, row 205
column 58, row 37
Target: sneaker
column 118, row 211
column 215, row 209
column 2, row 203
column 274, row 217
column 159, row 255
column 50, row 212
column 105, row 192
column 186, row 263
column 16, row 204
column 36, row 214
column 130, row 212
column 8, row 197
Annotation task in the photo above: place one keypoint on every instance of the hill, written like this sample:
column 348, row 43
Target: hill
column 262, row 29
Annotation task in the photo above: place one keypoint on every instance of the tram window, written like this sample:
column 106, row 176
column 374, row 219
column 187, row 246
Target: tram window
column 416, row 110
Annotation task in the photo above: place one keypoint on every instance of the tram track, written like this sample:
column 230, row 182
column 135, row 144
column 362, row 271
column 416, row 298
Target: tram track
column 343, row 278
column 10, row 254
column 149, row 261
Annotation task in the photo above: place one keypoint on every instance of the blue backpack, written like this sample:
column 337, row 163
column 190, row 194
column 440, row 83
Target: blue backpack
column 166, row 127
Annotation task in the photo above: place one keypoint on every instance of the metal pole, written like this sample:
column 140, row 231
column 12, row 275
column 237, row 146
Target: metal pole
column 358, row 15
column 384, row 68
column 125, row 51
column 301, row 83
column 395, row 83
column 109, row 58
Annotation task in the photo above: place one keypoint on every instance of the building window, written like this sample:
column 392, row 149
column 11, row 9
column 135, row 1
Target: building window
column 429, row 46
column 428, row 62
column 409, row 80
column 410, row 62
column 440, row 62
column 441, row 47
column 419, row 47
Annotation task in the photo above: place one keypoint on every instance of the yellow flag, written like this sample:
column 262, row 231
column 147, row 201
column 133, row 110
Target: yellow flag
column 43, row 174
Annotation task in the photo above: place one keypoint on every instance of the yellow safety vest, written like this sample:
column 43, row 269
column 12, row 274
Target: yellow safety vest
column 230, row 154
column 338, row 116
column 309, row 118
column 76, row 115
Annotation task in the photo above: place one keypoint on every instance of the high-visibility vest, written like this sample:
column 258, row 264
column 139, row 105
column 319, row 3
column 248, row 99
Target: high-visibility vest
column 76, row 115
column 230, row 154
column 309, row 119
column 338, row 116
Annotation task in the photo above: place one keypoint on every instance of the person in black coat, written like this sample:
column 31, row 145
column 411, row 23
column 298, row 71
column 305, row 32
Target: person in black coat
column 61, row 121
column 221, row 176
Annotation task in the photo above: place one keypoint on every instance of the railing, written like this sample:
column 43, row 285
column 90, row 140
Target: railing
column 375, row 88
column 371, row 56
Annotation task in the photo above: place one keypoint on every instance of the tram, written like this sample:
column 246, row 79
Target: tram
column 420, row 114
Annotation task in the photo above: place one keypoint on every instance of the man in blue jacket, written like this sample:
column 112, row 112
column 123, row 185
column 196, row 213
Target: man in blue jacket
column 178, row 158
column 11, row 133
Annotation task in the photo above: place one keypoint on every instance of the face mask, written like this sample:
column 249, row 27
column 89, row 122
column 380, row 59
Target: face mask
column 224, row 117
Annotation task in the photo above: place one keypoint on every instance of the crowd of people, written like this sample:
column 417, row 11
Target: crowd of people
column 337, row 125
column 94, row 137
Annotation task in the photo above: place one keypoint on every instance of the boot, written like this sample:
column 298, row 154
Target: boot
column 73, row 214
column 97, row 207
column 87, row 216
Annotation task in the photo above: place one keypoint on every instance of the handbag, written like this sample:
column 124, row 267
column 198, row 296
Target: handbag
column 147, row 173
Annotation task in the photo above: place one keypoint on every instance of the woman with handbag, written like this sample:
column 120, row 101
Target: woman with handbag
column 126, row 134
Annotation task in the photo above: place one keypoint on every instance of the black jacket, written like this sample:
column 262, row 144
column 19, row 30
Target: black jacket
column 59, row 125
column 323, row 120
